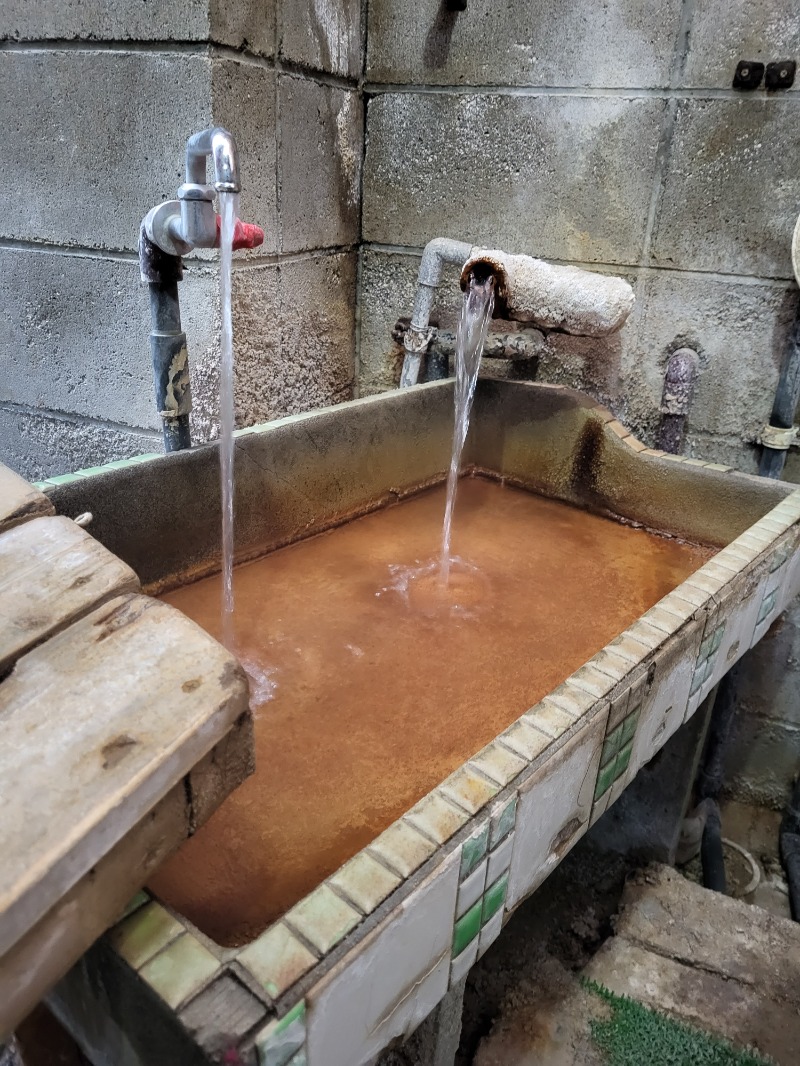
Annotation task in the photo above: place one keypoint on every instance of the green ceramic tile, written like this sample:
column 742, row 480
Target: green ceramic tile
column 62, row 479
column 503, row 822
column 498, row 763
column 467, row 928
column 180, row 970
column 473, row 850
column 469, row 790
column 628, row 728
column 403, row 848
column 494, row 898
column 323, row 918
column 611, row 745
column 300, row 1059
column 717, row 636
column 139, row 937
column 145, row 458
column 90, row 471
column 623, row 760
column 281, row 1041
column 549, row 717
column 526, row 741
column 705, row 647
column 365, row 882
column 605, row 778
column 138, row 901
column 697, row 679
column 277, row 959
column 436, row 818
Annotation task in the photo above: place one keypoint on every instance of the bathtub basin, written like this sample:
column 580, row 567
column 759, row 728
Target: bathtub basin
column 367, row 953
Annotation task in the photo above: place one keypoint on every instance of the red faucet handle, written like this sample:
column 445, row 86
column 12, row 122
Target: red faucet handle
column 245, row 234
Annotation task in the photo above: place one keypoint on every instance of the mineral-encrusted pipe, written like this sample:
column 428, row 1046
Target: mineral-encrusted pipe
column 676, row 399
column 565, row 298
column 437, row 252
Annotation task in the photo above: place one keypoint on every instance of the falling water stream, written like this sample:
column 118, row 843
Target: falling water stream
column 470, row 339
column 229, row 203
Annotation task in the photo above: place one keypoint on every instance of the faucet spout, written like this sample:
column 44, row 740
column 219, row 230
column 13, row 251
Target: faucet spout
column 220, row 145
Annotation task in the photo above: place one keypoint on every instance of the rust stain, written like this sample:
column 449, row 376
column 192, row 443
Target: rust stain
column 190, row 686
column 115, row 751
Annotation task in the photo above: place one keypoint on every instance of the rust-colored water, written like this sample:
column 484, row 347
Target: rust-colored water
column 377, row 698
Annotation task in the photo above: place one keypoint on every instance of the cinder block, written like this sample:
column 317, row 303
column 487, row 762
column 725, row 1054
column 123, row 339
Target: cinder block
column 740, row 332
column 320, row 164
column 94, row 140
column 732, row 188
column 39, row 445
column 294, row 346
column 234, row 22
column 244, row 23
column 559, row 177
column 323, row 34
column 74, row 336
column 243, row 101
column 112, row 20
column 725, row 31
column 620, row 43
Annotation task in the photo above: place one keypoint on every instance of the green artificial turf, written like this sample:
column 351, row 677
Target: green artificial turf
column 634, row 1035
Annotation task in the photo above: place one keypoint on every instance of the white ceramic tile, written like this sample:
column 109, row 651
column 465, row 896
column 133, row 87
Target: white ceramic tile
column 490, row 932
column 391, row 982
column 740, row 622
column 664, row 707
column 471, row 890
column 500, row 859
column 464, row 962
column 553, row 809
column 791, row 587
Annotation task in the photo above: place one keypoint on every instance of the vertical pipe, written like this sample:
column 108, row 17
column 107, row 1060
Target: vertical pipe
column 170, row 365
column 787, row 397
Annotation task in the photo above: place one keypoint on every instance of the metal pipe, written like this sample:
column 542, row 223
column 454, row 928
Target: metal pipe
column 676, row 399
column 790, row 850
column 220, row 145
column 787, row 396
column 437, row 252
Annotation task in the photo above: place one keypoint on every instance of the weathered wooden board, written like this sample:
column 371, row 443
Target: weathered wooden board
column 97, row 900
column 96, row 726
column 19, row 501
column 51, row 573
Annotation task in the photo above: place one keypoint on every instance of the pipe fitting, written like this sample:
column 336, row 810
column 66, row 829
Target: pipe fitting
column 220, row 145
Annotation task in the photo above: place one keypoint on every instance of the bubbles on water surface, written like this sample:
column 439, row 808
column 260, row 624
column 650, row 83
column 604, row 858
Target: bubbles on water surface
column 263, row 681
column 422, row 589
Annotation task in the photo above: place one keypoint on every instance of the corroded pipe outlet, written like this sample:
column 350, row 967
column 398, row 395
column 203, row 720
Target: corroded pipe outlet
column 565, row 298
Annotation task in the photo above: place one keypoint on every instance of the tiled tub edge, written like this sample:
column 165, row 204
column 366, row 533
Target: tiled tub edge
column 366, row 956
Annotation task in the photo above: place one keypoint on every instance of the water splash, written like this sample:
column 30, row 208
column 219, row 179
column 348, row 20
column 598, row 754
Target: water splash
column 229, row 203
column 470, row 339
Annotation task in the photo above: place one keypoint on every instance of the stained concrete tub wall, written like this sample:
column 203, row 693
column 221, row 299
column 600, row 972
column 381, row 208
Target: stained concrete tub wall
column 99, row 99
column 607, row 136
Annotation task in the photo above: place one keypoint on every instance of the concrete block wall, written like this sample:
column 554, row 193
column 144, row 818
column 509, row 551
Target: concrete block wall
column 608, row 136
column 99, row 99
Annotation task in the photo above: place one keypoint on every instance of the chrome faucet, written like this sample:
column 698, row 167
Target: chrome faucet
column 179, row 226
column 168, row 232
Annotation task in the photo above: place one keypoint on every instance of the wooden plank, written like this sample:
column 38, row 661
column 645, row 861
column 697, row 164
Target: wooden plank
column 42, row 957
column 96, row 726
column 19, row 501
column 52, row 572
